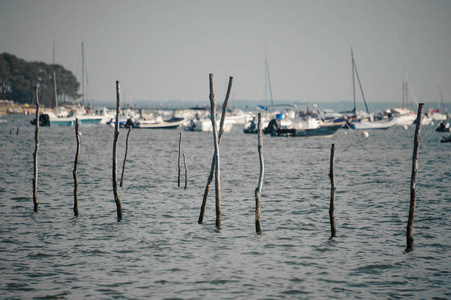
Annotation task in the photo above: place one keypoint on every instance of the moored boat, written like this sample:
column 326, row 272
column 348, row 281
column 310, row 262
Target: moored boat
column 305, row 124
column 159, row 123
column 204, row 124
column 368, row 124
column 405, row 117
column 446, row 139
column 443, row 127
column 326, row 129
column 250, row 126
column 436, row 115
column 49, row 119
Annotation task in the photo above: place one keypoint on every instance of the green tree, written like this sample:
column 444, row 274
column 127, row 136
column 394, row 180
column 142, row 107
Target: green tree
column 18, row 79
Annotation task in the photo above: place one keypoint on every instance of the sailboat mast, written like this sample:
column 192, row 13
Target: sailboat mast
column 269, row 80
column 441, row 98
column 353, row 83
column 360, row 85
column 54, row 105
column 54, row 91
column 407, row 94
column 403, row 92
column 83, row 74
column 266, row 79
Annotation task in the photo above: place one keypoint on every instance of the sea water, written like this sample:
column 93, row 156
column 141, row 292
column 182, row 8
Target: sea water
column 158, row 250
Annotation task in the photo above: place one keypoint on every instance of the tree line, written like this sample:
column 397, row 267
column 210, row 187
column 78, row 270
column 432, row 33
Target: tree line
column 18, row 79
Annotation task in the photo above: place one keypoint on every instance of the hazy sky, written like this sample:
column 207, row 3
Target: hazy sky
column 164, row 50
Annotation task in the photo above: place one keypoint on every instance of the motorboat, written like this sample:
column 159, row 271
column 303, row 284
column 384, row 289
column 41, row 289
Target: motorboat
column 204, row 124
column 370, row 123
column 159, row 123
column 307, row 123
column 49, row 119
column 443, row 127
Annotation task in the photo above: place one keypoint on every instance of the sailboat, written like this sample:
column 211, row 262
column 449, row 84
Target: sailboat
column 57, row 119
column 435, row 114
column 250, row 126
column 404, row 115
column 286, row 120
column 369, row 122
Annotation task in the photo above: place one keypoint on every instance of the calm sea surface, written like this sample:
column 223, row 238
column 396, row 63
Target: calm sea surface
column 160, row 251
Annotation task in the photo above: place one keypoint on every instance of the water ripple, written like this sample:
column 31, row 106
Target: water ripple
column 159, row 251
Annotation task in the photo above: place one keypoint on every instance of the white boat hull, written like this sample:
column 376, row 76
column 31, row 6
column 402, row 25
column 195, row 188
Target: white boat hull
column 406, row 120
column 205, row 125
column 155, row 124
column 367, row 125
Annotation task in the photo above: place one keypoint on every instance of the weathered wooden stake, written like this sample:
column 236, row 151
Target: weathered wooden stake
column 35, row 154
column 116, row 137
column 180, row 157
column 186, row 171
column 413, row 182
column 77, row 155
column 258, row 190
column 125, row 157
column 333, row 231
column 213, row 163
column 217, row 161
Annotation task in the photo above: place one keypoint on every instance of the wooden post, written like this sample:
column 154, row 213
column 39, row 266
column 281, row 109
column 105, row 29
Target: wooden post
column 258, row 190
column 333, row 231
column 77, row 155
column 413, row 181
column 125, row 158
column 180, row 157
column 213, row 163
column 217, row 161
column 224, row 108
column 186, row 171
column 35, row 154
column 207, row 190
column 116, row 137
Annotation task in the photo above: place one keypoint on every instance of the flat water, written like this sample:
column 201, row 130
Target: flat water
column 160, row 251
